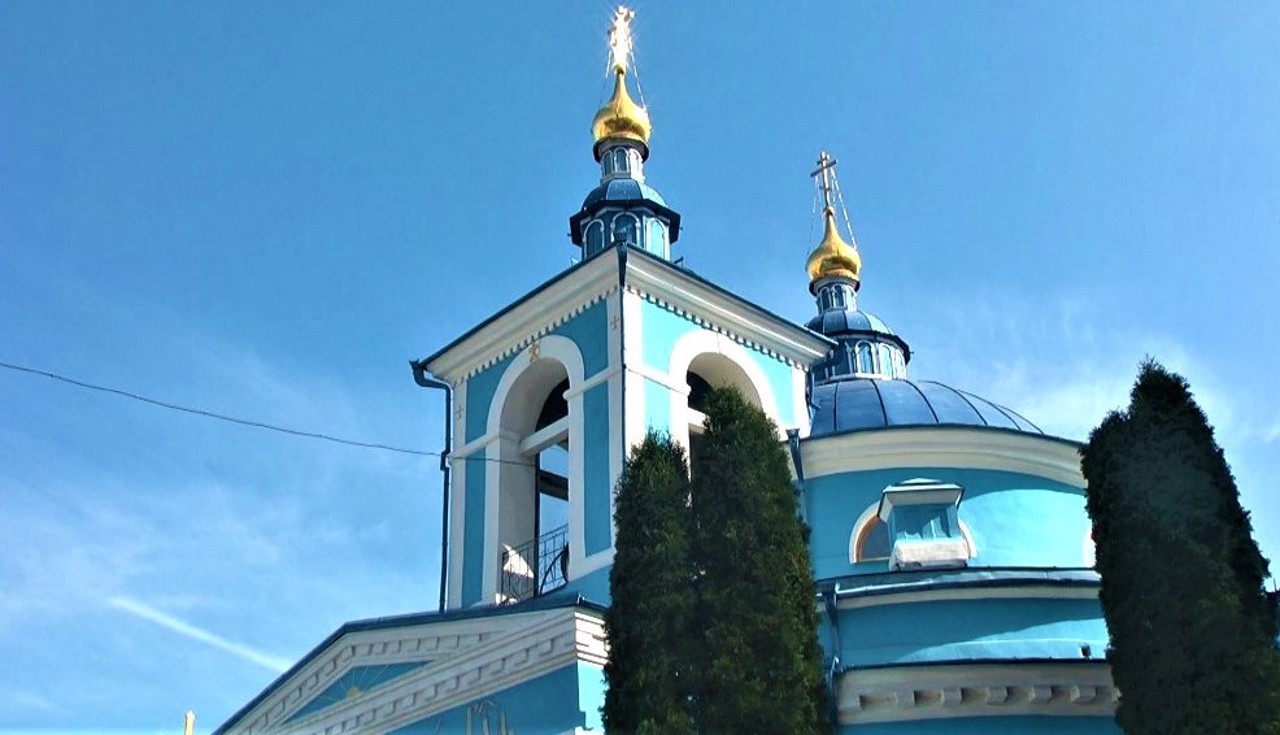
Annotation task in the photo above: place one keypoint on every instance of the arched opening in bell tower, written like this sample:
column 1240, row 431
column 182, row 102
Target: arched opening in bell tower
column 534, row 487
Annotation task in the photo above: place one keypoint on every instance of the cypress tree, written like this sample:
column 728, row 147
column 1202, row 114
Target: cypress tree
column 756, row 646
column 648, row 622
column 1192, row 630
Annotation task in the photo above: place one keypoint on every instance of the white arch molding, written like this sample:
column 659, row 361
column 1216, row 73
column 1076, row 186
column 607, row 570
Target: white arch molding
column 504, row 445
column 701, row 342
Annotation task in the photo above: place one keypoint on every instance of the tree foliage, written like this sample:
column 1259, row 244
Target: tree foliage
column 759, row 663
column 1192, row 630
column 651, row 583
column 713, row 624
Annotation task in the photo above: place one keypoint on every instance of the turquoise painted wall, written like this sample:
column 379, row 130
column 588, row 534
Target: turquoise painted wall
column 988, row 725
column 593, row 586
column 557, row 702
column 590, row 332
column 1016, row 520
column 480, row 390
column 964, row 630
column 597, row 534
column 657, row 406
column 473, row 530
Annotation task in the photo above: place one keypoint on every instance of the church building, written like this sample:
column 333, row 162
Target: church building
column 949, row 539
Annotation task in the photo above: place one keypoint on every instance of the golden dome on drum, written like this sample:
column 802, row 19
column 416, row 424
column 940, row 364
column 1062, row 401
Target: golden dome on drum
column 833, row 258
column 621, row 117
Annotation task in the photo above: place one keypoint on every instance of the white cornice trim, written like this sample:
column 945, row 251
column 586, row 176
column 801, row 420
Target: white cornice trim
column 531, row 317
column 673, row 289
column 1020, row 592
column 975, row 690
column 956, row 447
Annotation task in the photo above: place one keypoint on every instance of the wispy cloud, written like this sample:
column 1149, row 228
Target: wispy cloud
column 195, row 633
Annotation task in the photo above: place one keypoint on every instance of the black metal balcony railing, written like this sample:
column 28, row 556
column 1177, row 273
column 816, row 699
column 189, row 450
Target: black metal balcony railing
column 535, row 567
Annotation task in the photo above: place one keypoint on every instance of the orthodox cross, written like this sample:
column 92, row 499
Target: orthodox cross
column 535, row 351
column 826, row 168
column 620, row 38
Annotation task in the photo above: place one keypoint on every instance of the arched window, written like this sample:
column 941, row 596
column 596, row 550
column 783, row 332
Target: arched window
column 624, row 229
column 872, row 541
column 656, row 237
column 706, row 372
column 886, row 360
column 621, row 163
column 595, row 237
column 866, row 359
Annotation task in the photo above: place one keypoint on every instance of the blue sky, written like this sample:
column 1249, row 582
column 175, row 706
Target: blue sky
column 267, row 209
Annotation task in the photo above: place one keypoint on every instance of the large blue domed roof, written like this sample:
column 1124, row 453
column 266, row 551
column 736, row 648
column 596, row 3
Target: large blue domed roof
column 858, row 404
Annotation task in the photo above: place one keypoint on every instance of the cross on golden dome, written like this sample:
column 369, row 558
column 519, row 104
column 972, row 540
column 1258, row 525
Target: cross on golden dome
column 833, row 258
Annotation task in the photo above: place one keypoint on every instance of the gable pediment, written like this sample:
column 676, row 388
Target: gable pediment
column 378, row 675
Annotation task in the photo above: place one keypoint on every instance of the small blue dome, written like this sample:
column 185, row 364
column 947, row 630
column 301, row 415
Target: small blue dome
column 836, row 321
column 623, row 190
column 859, row 404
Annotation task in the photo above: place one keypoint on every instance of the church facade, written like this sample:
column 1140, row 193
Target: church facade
column 949, row 538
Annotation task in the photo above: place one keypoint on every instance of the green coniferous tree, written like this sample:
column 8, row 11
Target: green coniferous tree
column 758, row 663
column 1192, row 630
column 648, row 622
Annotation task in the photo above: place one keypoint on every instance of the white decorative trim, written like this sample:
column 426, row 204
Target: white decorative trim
column 741, row 321
column 906, row 693
column 531, row 318
column 566, row 352
column 635, row 423
column 457, row 532
column 662, row 378
column 593, row 381
column 800, row 401
column 595, row 562
column 617, row 378
column 943, row 446
column 1030, row 591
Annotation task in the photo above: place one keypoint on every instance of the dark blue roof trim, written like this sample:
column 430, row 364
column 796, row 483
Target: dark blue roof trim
column 537, row 604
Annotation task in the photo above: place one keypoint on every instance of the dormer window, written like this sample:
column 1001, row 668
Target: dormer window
column 924, row 531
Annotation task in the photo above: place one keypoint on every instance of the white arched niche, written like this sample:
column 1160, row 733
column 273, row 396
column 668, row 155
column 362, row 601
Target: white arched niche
column 702, row 359
column 536, row 410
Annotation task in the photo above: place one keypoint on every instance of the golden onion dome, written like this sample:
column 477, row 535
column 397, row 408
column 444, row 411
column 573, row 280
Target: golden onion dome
column 833, row 258
column 621, row 117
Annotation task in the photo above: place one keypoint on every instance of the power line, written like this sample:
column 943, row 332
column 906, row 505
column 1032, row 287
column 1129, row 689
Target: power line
column 246, row 422
column 212, row 415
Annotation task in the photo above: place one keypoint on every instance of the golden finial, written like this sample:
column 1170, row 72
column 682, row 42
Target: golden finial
column 621, row 117
column 833, row 258
column 189, row 723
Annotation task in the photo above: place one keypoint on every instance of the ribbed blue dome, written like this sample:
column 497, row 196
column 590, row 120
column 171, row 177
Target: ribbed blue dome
column 835, row 321
column 623, row 190
column 857, row 404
